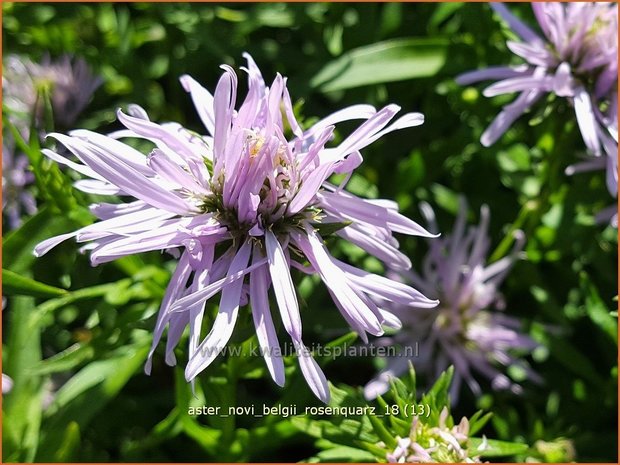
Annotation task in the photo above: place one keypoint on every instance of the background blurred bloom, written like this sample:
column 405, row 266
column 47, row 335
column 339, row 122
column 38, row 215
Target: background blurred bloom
column 463, row 331
column 577, row 58
column 265, row 198
column 69, row 85
column 16, row 199
column 68, row 81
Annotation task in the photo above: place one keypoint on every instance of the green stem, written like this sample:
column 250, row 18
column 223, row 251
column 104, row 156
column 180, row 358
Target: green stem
column 504, row 246
column 532, row 211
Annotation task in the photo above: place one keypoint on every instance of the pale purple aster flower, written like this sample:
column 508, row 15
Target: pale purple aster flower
column 465, row 330
column 436, row 444
column 69, row 81
column 576, row 58
column 16, row 177
column 262, row 199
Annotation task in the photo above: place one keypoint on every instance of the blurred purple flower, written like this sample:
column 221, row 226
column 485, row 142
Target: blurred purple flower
column 69, row 81
column 264, row 198
column 16, row 177
column 463, row 331
column 577, row 58
column 70, row 85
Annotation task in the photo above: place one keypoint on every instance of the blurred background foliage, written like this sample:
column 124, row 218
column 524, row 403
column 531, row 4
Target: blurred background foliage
column 75, row 348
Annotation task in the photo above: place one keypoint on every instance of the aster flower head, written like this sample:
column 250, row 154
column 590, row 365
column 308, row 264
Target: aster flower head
column 575, row 57
column 242, row 206
column 69, row 82
column 436, row 444
column 464, row 331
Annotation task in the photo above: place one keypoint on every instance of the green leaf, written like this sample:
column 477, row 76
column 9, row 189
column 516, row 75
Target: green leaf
column 326, row 229
column 446, row 198
column 49, row 306
column 478, row 420
column 15, row 284
column 597, row 310
column 574, row 360
column 69, row 444
column 382, row 432
column 388, row 61
column 88, row 392
column 65, row 360
column 18, row 245
column 345, row 454
column 22, row 407
column 495, row 448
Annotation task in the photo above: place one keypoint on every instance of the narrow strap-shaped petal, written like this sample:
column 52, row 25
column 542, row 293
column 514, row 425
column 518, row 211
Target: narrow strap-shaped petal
column 170, row 233
column 224, row 323
column 515, row 23
column 518, row 84
column 492, row 72
column 377, row 247
column 209, row 291
column 85, row 170
column 334, row 278
column 367, row 211
column 223, row 104
column 265, row 329
column 123, row 176
column 196, row 312
column 508, row 115
column 362, row 136
column 173, row 173
column 203, row 101
column 586, row 120
column 48, row 244
column 283, row 285
column 310, row 187
column 176, row 326
column 350, row 113
column 385, row 288
column 158, row 132
column 312, row 372
column 94, row 186
column 176, row 286
column 534, row 54
column 121, row 151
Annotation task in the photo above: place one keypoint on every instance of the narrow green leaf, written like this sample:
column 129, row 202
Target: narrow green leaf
column 388, row 61
column 326, row 229
column 15, row 284
column 88, row 392
column 345, row 454
column 18, row 245
column 495, row 448
column 22, row 407
column 65, row 360
column 69, row 444
column 382, row 431
column 40, row 311
column 597, row 310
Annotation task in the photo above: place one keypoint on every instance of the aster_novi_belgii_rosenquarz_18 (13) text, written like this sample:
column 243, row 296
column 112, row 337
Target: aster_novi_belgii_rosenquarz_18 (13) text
column 260, row 197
